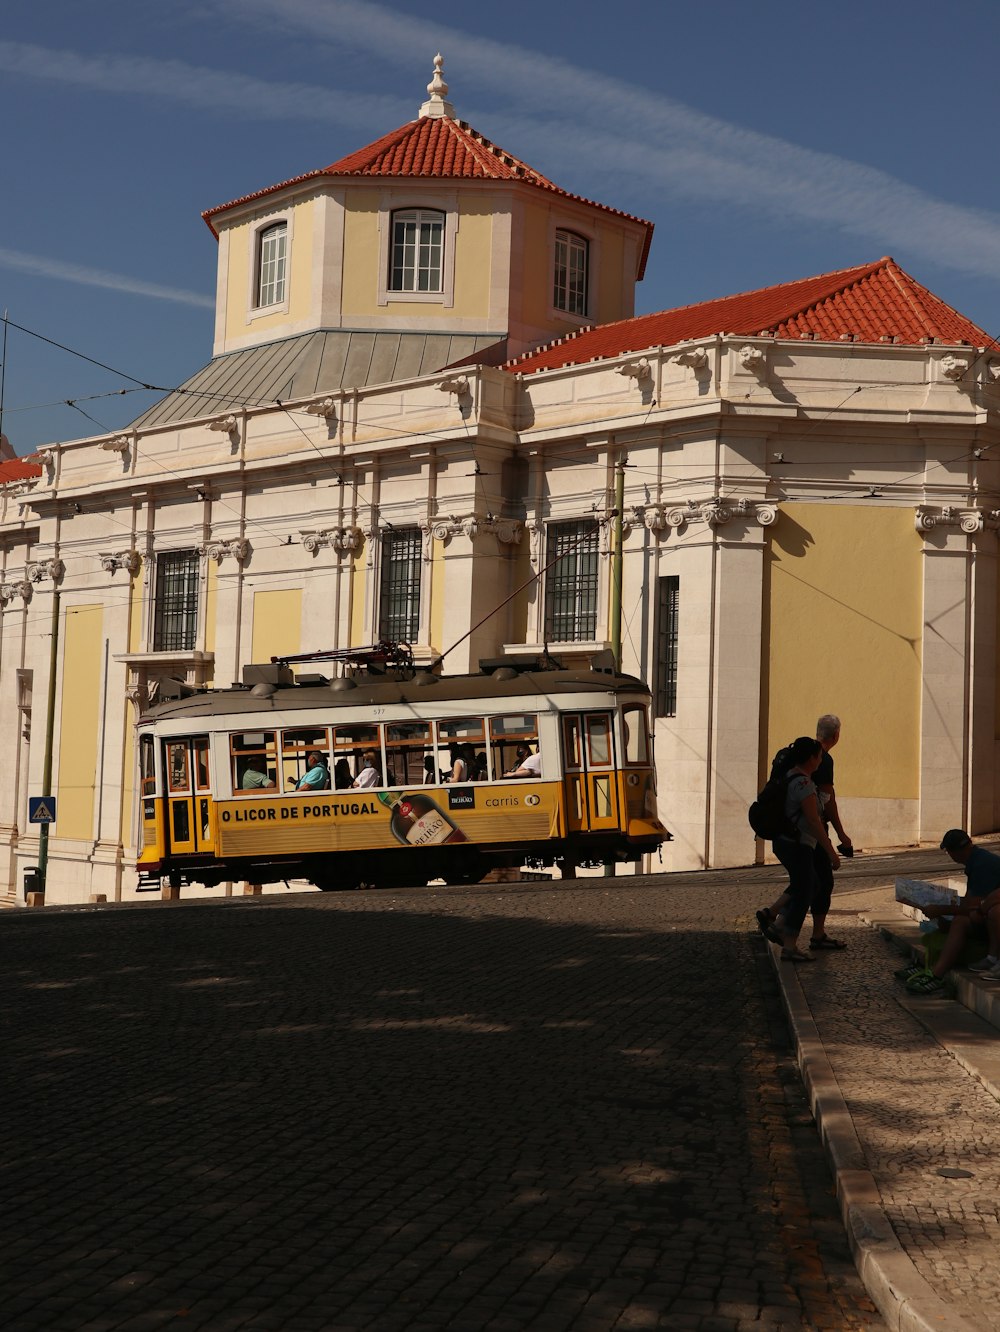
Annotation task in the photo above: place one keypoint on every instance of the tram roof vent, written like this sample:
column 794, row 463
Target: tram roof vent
column 267, row 673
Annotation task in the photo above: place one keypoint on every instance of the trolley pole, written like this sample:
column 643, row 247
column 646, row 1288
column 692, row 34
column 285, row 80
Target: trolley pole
column 616, row 566
column 50, row 718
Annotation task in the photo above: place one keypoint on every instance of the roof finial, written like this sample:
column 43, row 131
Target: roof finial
column 436, row 105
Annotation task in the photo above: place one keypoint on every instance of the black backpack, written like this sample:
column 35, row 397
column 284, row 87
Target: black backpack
column 767, row 815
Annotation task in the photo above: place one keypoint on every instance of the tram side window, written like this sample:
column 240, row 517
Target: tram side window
column 147, row 765
column 407, row 746
column 350, row 745
column 462, row 740
column 178, row 768
column 512, row 738
column 254, row 756
column 634, row 725
column 305, row 759
column 201, row 778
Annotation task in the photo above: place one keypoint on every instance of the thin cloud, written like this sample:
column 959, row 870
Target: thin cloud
column 195, row 86
column 38, row 266
column 606, row 127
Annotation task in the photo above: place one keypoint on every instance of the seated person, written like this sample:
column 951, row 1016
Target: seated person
column 255, row 774
column 966, row 924
column 459, row 766
column 342, row 775
column 369, row 774
column 316, row 776
column 430, row 769
column 480, row 768
column 530, row 765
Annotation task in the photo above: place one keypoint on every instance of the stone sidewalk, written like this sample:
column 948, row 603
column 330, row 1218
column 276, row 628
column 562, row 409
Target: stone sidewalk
column 912, row 1135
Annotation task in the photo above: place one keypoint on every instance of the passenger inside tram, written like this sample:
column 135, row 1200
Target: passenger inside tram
column 254, row 774
column 342, row 775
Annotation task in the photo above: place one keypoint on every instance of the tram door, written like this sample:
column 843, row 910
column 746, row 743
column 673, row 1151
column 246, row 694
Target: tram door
column 189, row 808
column 591, row 789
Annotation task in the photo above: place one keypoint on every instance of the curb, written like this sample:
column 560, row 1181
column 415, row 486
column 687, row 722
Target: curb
column 904, row 1298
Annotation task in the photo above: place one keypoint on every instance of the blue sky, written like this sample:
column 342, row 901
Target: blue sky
column 767, row 141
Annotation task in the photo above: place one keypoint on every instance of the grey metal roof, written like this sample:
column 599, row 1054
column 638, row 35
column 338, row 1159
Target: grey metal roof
column 371, row 691
column 324, row 361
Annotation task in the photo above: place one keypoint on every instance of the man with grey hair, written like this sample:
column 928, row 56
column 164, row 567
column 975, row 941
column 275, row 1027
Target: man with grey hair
column 827, row 733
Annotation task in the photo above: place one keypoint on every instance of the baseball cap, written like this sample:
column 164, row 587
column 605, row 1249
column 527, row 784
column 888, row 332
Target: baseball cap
column 954, row 839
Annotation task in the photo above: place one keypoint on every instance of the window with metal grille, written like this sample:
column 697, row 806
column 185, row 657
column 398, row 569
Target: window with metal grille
column 399, row 586
column 569, row 288
column 667, row 603
column 571, row 583
column 415, row 263
column 271, row 256
column 175, row 612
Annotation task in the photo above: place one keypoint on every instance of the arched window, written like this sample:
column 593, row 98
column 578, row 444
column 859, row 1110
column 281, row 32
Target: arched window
column 569, row 286
column 272, row 249
column 417, row 251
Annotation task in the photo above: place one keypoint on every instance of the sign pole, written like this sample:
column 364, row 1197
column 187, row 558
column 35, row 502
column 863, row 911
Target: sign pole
column 43, row 834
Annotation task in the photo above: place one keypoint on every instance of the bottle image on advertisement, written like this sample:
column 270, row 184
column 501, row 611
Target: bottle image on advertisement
column 417, row 821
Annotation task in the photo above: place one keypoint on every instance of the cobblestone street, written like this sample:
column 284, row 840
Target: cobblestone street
column 524, row 1107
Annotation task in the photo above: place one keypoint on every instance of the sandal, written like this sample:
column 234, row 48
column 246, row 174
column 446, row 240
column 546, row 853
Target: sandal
column 793, row 955
column 767, row 927
column 825, row 942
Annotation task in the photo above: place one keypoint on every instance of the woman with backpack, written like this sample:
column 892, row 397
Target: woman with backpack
column 795, row 848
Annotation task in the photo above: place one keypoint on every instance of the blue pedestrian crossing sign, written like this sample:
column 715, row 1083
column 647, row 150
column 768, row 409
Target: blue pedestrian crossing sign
column 41, row 809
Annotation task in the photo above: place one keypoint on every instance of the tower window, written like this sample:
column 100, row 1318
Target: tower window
column 569, row 288
column 417, row 253
column 272, row 253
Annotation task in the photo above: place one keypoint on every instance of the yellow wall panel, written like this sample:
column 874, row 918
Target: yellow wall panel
column 473, row 260
column 361, row 250
column 277, row 624
column 844, row 629
column 241, row 256
column 79, row 720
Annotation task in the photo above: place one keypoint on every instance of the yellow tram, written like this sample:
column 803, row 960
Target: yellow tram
column 346, row 781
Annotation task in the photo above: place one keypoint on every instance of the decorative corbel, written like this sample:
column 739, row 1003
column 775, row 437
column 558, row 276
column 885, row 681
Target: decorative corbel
column 47, row 458
column 969, row 521
column 955, row 368
column 8, row 591
column 118, row 444
column 694, row 357
column 370, row 532
column 237, row 547
column 227, row 425
column 507, row 530
column 327, row 409
column 638, row 370
column 654, row 518
column 536, row 529
column 753, row 359
column 43, row 569
column 123, row 559
column 456, row 384
column 993, row 370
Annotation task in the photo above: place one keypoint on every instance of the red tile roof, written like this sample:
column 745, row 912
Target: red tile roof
column 876, row 302
column 15, row 469
column 442, row 149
